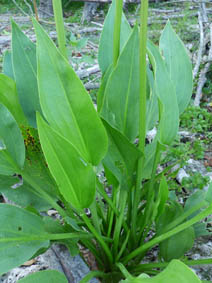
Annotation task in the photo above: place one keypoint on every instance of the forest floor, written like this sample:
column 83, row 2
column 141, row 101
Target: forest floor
column 192, row 21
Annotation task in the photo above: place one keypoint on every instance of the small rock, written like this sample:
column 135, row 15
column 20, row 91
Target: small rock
column 57, row 257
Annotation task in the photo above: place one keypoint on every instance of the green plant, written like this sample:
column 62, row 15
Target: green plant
column 182, row 152
column 196, row 180
column 197, row 120
column 78, row 143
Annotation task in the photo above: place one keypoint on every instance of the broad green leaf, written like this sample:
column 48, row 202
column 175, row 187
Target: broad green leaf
column 23, row 195
column 9, row 97
column 176, row 246
column 5, row 166
column 120, row 106
column 193, row 200
column 7, row 64
column 25, row 71
column 101, row 91
column 36, row 167
column 16, row 227
column 200, row 229
column 74, row 175
column 12, row 149
column 150, row 151
column 151, row 103
column 208, row 196
column 178, row 64
column 164, row 193
column 120, row 102
column 122, row 156
column 105, row 56
column 162, row 197
column 65, row 102
column 54, row 227
column 164, row 88
column 175, row 272
column 197, row 197
column 46, row 276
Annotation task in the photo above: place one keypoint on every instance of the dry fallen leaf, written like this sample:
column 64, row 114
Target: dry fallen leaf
column 29, row 262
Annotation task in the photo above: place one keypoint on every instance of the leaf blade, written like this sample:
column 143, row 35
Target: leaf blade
column 12, row 138
column 169, row 112
column 105, row 55
column 25, row 72
column 15, row 253
column 9, row 97
column 121, row 105
column 46, row 276
column 178, row 64
column 74, row 176
column 65, row 102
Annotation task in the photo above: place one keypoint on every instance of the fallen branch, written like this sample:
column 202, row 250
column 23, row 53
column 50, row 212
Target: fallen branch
column 89, row 29
column 86, row 73
column 204, row 13
column 90, row 86
column 185, row 1
column 201, row 45
column 164, row 11
column 173, row 16
column 202, row 77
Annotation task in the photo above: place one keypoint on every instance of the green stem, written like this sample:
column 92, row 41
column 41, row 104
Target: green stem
column 93, row 274
column 123, row 247
column 95, row 218
column 111, row 210
column 68, row 208
column 145, row 267
column 93, row 249
column 112, row 205
column 185, row 215
column 42, row 193
column 150, row 195
column 99, row 238
column 124, row 271
column 142, row 109
column 142, row 74
column 168, row 234
column 58, row 15
column 119, row 223
column 117, row 31
column 43, row 237
column 31, row 182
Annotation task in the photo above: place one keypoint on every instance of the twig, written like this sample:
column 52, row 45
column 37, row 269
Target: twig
column 97, row 24
column 35, row 9
column 90, row 86
column 89, row 29
column 203, row 73
column 204, row 13
column 164, row 11
column 173, row 16
column 184, row 1
column 201, row 45
column 86, row 73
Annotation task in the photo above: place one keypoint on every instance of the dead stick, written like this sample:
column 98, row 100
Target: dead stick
column 35, row 9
